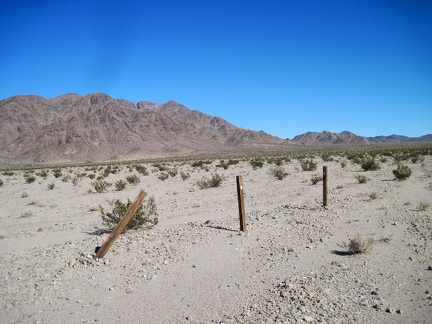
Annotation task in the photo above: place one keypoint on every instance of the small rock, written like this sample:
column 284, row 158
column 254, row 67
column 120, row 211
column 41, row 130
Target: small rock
column 399, row 311
column 308, row 318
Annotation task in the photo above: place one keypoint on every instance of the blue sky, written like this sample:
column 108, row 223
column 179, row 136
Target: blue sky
column 285, row 67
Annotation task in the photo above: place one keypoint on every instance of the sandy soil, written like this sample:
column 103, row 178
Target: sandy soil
column 195, row 266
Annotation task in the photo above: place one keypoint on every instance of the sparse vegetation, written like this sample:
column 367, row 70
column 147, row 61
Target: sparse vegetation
column 402, row 172
column 145, row 216
column 359, row 244
column 215, row 181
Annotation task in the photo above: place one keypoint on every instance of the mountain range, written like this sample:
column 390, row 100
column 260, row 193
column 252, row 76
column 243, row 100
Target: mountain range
column 96, row 127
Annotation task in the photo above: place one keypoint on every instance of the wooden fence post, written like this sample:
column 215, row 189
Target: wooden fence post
column 240, row 196
column 120, row 225
column 325, row 186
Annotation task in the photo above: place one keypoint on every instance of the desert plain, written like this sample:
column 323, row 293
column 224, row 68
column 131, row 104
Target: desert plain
column 292, row 264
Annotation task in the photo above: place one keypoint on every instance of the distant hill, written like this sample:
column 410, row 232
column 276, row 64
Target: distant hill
column 332, row 138
column 96, row 127
column 401, row 138
column 325, row 137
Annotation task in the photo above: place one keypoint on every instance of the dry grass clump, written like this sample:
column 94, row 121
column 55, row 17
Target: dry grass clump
column 360, row 244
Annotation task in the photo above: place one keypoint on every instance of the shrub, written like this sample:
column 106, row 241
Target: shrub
column 369, row 164
column 402, row 172
column 308, row 165
column 141, row 169
column 361, row 178
column 29, row 178
column 66, row 178
column 50, row 186
column 120, row 185
column 57, row 173
column 215, row 181
column 200, row 163
column 100, row 185
column 184, row 175
column 316, row 178
column 172, row 172
column 8, row 173
column 159, row 166
column 223, row 164
column 279, row 173
column 343, row 164
column 146, row 214
column 1, row 182
column 75, row 180
column 256, row 163
column 91, row 176
column 42, row 173
column 132, row 179
column 163, row 176
column 360, row 245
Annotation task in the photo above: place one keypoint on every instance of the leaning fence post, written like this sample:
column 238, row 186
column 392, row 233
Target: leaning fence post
column 325, row 187
column 240, row 196
column 120, row 225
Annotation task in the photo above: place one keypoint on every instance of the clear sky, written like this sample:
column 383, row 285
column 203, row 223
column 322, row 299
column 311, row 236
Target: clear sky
column 282, row 66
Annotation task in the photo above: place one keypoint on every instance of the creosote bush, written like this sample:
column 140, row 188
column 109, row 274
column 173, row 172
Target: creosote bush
column 100, row 185
column 141, row 169
column 184, row 175
column 120, row 185
column 308, row 165
column 360, row 245
column 257, row 163
column 163, row 176
column 29, row 178
column 145, row 216
column 402, row 172
column 369, row 164
column 132, row 179
column 279, row 173
column 215, row 181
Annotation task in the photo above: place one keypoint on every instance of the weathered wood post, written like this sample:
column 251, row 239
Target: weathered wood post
column 325, row 186
column 121, row 225
column 241, row 203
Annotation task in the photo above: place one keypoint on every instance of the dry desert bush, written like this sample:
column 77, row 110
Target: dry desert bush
column 360, row 244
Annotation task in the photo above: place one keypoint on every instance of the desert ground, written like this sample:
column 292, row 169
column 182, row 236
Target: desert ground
column 292, row 265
